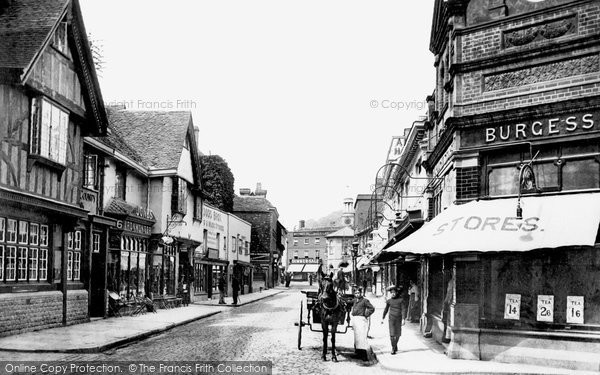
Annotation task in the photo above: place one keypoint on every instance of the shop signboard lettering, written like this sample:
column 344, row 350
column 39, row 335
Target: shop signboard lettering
column 545, row 309
column 137, row 228
column 575, row 310
column 537, row 128
column 512, row 307
column 495, row 223
column 304, row 261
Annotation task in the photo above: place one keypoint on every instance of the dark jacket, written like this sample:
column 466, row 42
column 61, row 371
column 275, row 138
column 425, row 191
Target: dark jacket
column 235, row 285
column 221, row 284
column 362, row 308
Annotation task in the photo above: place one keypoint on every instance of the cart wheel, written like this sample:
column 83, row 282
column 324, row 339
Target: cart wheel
column 300, row 328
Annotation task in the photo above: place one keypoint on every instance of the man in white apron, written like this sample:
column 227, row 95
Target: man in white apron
column 361, row 310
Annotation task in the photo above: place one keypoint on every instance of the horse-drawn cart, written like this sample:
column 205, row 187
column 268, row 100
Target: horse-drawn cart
column 315, row 310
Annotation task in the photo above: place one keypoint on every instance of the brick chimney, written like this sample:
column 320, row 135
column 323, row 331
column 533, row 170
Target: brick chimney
column 301, row 224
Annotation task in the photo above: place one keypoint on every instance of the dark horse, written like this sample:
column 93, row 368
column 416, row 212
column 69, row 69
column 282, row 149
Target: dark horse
column 331, row 308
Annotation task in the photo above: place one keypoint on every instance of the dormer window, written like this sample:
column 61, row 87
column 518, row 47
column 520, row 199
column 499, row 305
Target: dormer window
column 49, row 131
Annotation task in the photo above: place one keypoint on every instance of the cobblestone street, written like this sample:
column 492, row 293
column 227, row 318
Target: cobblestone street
column 260, row 331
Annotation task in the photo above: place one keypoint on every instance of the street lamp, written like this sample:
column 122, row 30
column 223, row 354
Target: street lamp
column 354, row 255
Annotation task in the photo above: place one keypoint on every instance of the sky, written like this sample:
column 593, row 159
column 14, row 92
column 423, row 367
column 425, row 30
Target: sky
column 302, row 96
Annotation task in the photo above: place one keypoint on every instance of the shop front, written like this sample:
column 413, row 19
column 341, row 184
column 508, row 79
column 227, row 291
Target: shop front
column 514, row 285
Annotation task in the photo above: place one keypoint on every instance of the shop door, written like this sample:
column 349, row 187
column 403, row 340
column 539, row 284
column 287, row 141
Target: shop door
column 98, row 283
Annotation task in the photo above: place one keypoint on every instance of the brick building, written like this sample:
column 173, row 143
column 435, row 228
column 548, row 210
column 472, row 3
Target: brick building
column 267, row 236
column 510, row 257
column 49, row 100
column 307, row 250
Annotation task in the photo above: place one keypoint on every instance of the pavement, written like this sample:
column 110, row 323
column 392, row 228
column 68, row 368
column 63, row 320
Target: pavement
column 420, row 355
column 102, row 334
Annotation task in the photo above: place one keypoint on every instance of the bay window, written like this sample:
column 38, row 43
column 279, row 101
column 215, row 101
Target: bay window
column 49, row 131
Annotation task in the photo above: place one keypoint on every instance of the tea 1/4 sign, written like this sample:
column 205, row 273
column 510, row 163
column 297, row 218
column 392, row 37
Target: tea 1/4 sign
column 512, row 307
column 545, row 309
column 575, row 310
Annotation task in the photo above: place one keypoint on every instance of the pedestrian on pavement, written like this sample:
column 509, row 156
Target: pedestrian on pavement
column 414, row 311
column 361, row 311
column 222, row 289
column 397, row 309
column 288, row 278
column 235, row 288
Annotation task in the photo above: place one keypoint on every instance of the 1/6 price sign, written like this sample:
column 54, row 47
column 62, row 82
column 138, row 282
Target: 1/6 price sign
column 575, row 310
column 545, row 309
column 512, row 307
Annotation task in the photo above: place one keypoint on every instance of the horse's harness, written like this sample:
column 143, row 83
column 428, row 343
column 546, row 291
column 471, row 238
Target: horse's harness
column 322, row 302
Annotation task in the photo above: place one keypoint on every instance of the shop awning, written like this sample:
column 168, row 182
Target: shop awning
column 491, row 225
column 295, row 267
column 311, row 268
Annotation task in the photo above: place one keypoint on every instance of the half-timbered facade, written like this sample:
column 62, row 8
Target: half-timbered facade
column 49, row 100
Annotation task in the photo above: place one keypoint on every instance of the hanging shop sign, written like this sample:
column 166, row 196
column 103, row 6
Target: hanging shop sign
column 512, row 307
column 537, row 128
column 575, row 306
column 545, row 309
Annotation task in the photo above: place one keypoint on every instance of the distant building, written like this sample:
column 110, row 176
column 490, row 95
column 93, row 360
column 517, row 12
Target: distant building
column 307, row 250
column 268, row 235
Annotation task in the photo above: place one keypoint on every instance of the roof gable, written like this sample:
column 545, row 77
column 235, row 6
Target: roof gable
column 158, row 137
column 26, row 29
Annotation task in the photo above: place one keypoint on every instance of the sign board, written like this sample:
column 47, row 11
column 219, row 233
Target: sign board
column 545, row 309
column 214, row 222
column 575, row 309
column 512, row 307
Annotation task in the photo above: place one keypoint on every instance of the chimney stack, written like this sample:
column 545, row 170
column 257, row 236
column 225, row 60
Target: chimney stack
column 245, row 191
column 259, row 190
column 301, row 224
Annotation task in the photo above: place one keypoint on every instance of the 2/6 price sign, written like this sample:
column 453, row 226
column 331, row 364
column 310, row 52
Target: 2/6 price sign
column 545, row 309
column 512, row 307
column 575, row 309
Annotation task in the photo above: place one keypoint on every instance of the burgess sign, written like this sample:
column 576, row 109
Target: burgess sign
column 555, row 126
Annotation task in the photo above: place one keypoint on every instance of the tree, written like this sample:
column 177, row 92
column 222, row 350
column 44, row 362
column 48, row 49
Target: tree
column 97, row 48
column 217, row 182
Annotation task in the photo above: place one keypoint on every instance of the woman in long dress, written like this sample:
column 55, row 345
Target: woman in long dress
column 396, row 306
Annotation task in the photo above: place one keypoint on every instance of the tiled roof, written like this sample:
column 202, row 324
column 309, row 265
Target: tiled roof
column 24, row 26
column 115, row 141
column 251, row 204
column 156, row 136
column 119, row 207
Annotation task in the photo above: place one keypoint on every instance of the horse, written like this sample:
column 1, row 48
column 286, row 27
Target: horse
column 331, row 308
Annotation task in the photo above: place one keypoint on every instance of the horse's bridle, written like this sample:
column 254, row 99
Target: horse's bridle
column 337, row 303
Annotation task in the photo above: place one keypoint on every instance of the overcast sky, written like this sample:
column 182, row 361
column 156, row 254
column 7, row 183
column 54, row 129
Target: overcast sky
column 282, row 89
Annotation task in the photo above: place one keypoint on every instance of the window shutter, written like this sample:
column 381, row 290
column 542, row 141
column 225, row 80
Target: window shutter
column 175, row 195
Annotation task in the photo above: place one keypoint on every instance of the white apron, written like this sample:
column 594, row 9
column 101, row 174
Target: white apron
column 360, row 326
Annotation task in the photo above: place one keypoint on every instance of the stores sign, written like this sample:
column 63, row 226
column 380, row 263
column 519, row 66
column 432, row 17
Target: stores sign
column 575, row 310
column 545, row 309
column 512, row 307
column 495, row 223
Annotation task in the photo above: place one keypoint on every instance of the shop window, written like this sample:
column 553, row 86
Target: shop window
column 11, row 263
column 565, row 167
column 74, row 255
column 23, row 232
column 43, row 235
column 90, row 169
column 11, row 231
column 49, row 131
column 22, row 263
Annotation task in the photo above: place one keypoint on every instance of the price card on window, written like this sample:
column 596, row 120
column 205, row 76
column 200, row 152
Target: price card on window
column 545, row 309
column 512, row 307
column 575, row 310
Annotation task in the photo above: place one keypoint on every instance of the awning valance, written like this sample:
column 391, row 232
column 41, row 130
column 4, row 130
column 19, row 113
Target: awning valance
column 295, row 267
column 311, row 268
column 491, row 225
